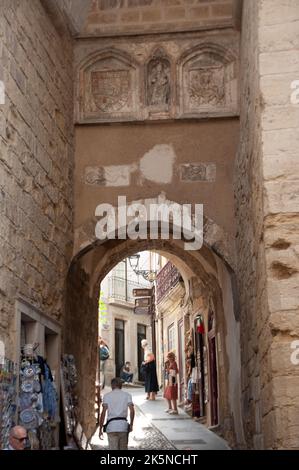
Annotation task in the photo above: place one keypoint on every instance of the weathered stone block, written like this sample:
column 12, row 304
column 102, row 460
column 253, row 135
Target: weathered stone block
column 198, row 172
column 278, row 62
column 279, row 12
column 174, row 13
column 221, row 10
column 287, row 34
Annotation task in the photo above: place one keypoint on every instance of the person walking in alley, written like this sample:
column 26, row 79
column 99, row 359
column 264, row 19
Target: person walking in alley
column 148, row 368
column 117, row 403
column 171, row 389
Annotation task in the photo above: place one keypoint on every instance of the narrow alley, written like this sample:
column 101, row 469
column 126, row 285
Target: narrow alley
column 154, row 429
column 149, row 225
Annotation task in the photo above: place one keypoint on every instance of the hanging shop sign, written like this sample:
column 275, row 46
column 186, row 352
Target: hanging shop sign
column 142, row 310
column 142, row 292
column 143, row 302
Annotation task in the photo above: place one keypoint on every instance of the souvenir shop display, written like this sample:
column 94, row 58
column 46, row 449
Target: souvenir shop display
column 37, row 399
column 68, row 395
column 75, row 437
column 8, row 394
column 198, row 401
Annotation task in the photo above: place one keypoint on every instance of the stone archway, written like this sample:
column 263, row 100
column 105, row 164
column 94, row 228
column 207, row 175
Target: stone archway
column 92, row 262
column 215, row 237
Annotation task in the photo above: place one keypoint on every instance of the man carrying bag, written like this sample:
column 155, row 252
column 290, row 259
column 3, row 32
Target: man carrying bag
column 117, row 403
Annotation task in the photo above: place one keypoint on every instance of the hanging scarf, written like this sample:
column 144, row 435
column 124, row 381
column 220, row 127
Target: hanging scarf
column 49, row 393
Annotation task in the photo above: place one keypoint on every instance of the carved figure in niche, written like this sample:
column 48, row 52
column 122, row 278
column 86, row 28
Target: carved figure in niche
column 159, row 84
column 206, row 87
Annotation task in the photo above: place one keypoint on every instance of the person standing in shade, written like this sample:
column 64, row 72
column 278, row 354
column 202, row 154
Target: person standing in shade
column 171, row 390
column 117, row 403
column 103, row 356
column 149, row 371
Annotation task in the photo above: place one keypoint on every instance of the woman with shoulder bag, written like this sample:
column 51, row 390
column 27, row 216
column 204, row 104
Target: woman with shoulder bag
column 171, row 390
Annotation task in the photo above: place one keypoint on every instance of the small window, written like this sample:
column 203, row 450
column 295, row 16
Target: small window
column 141, row 329
column 119, row 325
column 171, row 337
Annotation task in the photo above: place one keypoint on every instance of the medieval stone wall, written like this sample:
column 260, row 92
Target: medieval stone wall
column 122, row 160
column 36, row 159
column 109, row 17
column 249, row 214
column 267, row 220
column 81, row 340
column 279, row 69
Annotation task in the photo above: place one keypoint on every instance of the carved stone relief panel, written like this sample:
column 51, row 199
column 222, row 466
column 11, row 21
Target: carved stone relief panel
column 158, row 84
column 128, row 80
column 208, row 81
column 108, row 88
column 194, row 172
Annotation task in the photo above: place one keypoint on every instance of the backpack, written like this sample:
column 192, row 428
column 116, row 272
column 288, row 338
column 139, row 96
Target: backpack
column 104, row 353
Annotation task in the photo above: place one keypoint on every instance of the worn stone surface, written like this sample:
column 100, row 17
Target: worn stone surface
column 116, row 17
column 128, row 80
column 158, row 77
column 198, row 172
column 279, row 67
column 251, row 271
column 36, row 160
column 81, row 340
column 267, row 216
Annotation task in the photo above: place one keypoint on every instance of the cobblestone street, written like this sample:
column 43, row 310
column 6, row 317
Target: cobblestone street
column 144, row 436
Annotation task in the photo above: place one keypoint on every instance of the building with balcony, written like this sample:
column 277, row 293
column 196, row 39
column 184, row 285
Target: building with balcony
column 187, row 328
column 119, row 326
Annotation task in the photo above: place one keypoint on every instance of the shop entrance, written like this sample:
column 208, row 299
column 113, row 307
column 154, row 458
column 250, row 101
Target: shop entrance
column 119, row 346
column 141, row 334
column 181, row 359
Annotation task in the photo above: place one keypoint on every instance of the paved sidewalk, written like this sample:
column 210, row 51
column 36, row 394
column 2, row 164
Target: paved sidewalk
column 155, row 429
column 180, row 430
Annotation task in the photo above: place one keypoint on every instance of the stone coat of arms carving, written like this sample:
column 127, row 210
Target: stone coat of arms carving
column 110, row 89
column 206, row 86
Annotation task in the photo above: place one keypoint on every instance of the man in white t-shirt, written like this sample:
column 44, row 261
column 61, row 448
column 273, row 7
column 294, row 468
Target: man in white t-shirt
column 117, row 403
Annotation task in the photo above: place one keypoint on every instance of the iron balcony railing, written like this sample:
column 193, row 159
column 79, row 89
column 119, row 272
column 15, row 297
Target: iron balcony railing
column 122, row 289
column 167, row 278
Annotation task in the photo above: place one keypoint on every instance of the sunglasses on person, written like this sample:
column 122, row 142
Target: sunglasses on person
column 21, row 439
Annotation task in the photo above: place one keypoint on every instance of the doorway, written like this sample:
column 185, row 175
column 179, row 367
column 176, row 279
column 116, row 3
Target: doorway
column 141, row 334
column 213, row 381
column 199, row 408
column 213, row 368
column 181, row 359
column 119, row 346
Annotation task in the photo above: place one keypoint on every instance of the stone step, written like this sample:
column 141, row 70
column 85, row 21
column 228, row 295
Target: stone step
column 133, row 385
